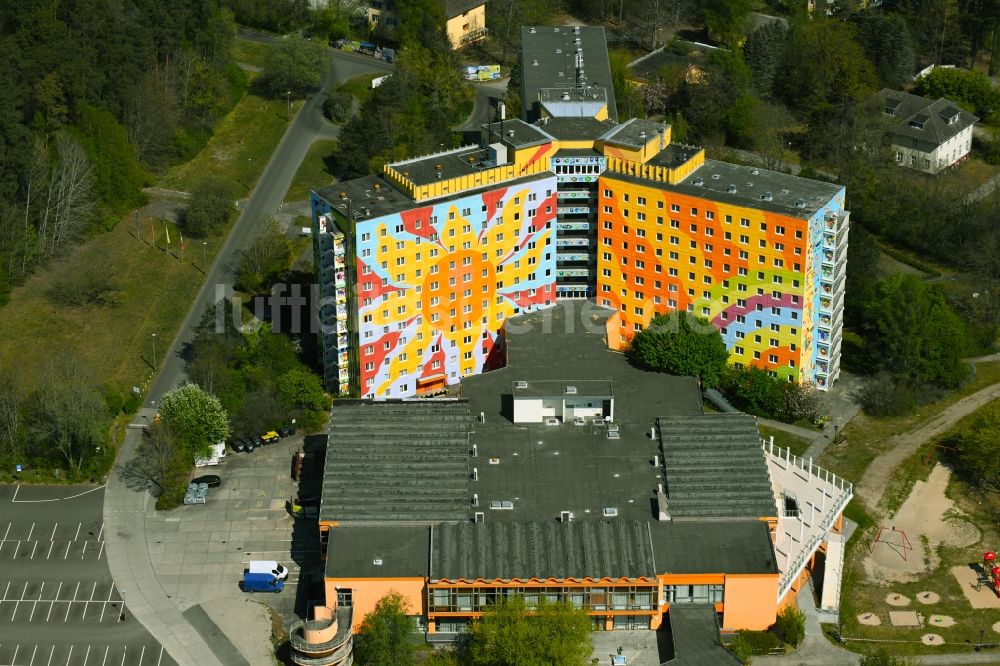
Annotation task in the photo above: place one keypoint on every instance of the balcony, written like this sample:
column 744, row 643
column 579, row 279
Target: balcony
column 573, row 226
column 573, row 256
column 574, row 210
column 324, row 641
column 574, row 242
column 575, row 194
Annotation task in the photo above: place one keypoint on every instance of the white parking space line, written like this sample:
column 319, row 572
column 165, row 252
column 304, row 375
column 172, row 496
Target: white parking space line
column 33, row 548
column 69, row 605
column 51, row 652
column 30, row 532
column 106, row 648
column 16, row 648
column 105, row 605
column 53, row 603
column 141, row 655
column 5, row 590
column 54, row 528
column 100, row 552
column 67, row 549
column 161, row 656
column 18, row 602
column 86, row 657
column 51, row 545
column 7, row 532
column 86, row 606
column 100, row 534
column 123, row 655
column 78, row 526
column 83, row 553
column 32, row 662
column 70, row 655
column 35, row 605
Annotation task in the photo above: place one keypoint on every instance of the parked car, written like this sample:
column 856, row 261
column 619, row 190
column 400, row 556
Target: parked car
column 238, row 446
column 249, row 444
column 210, row 480
column 269, row 437
column 286, row 430
column 268, row 567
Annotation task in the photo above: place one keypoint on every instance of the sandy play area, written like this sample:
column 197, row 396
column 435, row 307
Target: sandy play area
column 942, row 620
column 985, row 597
column 922, row 515
column 896, row 599
column 928, row 597
column 871, row 619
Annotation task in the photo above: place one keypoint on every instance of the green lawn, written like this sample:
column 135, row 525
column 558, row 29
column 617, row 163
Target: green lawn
column 786, row 440
column 240, row 147
column 312, row 172
column 359, row 86
column 865, row 437
column 250, row 52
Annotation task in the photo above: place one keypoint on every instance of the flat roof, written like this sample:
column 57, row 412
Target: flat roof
column 694, row 634
column 589, row 388
column 399, row 551
column 714, row 468
column 549, row 58
column 634, row 133
column 735, row 547
column 365, row 197
column 789, row 195
column 674, row 155
column 517, row 133
column 576, row 129
column 397, row 461
column 449, row 164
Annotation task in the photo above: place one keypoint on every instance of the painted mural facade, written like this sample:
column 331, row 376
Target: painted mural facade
column 753, row 273
column 436, row 282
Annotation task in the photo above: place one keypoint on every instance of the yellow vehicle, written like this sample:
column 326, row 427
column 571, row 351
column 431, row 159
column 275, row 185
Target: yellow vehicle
column 269, row 437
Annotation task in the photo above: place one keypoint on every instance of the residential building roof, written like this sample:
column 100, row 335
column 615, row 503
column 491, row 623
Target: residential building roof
column 634, row 133
column 397, row 461
column 396, row 551
column 748, row 186
column 693, row 630
column 714, row 468
column 517, row 133
column 576, row 129
column 919, row 122
column 549, row 60
column 453, row 8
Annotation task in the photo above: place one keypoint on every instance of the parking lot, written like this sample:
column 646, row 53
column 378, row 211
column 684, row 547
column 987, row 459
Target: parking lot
column 58, row 603
column 199, row 551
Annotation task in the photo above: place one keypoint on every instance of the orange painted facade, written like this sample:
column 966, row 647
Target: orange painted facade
column 366, row 592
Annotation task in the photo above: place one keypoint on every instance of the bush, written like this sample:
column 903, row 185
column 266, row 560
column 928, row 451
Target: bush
column 338, row 106
column 760, row 642
column 791, row 625
column 83, row 285
column 209, row 209
column 741, row 649
column 681, row 344
column 755, row 392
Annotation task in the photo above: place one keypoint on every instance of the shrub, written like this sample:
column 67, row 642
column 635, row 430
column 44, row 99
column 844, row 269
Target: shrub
column 741, row 649
column 338, row 106
column 760, row 642
column 82, row 286
column 209, row 208
column 791, row 625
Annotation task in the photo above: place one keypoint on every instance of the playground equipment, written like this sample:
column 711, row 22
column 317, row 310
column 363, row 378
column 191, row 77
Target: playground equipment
column 895, row 540
column 989, row 575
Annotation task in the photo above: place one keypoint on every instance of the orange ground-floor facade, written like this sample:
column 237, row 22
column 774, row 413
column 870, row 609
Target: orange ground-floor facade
column 744, row 601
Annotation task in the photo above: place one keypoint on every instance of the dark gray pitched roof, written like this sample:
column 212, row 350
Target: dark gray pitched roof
column 453, row 8
column 397, row 461
column 695, row 547
column 715, row 468
column 922, row 123
column 534, row 549
column 694, row 632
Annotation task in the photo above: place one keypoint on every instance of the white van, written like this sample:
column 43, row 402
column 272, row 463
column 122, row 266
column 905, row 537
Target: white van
column 268, row 567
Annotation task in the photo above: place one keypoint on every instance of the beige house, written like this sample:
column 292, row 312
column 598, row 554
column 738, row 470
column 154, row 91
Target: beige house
column 465, row 20
column 925, row 135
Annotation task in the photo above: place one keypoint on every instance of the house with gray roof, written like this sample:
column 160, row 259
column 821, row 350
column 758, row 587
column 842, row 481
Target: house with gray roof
column 926, row 135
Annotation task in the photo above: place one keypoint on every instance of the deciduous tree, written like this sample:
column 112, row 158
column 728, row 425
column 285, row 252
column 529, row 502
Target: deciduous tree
column 681, row 344
column 512, row 634
column 385, row 637
column 196, row 417
column 209, row 208
column 294, row 64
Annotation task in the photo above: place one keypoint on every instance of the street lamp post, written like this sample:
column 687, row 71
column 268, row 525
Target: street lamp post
column 288, row 95
column 204, row 255
column 836, row 429
column 154, row 351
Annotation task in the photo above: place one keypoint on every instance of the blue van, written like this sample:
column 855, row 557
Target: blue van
column 262, row 582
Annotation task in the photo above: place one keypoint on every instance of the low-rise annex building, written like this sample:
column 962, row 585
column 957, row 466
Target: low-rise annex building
column 452, row 504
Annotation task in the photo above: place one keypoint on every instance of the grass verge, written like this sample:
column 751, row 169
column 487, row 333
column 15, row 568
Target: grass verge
column 250, row 52
column 236, row 153
column 359, row 86
column 312, row 172
column 865, row 437
column 787, row 440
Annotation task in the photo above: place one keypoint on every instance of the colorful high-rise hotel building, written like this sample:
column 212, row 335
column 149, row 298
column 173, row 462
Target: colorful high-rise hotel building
column 420, row 266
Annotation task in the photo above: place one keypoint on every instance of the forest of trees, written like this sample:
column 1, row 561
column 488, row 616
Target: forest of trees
column 94, row 97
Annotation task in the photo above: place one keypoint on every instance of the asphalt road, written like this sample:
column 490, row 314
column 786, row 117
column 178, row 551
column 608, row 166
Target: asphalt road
column 307, row 126
column 58, row 602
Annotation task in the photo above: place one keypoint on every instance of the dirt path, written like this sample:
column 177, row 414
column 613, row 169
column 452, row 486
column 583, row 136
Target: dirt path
column 872, row 483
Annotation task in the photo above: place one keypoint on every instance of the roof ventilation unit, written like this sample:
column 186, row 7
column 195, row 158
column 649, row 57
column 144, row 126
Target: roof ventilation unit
column 698, row 182
column 377, row 561
column 800, row 203
column 534, row 62
column 480, row 517
column 551, row 421
column 755, row 172
column 610, row 512
column 576, row 30
column 520, row 384
column 570, row 390
column 475, row 473
column 475, row 499
column 731, row 189
column 565, row 516
column 532, row 30
column 767, row 196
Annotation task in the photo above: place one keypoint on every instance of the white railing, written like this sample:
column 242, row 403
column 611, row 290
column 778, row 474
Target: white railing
column 784, row 458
